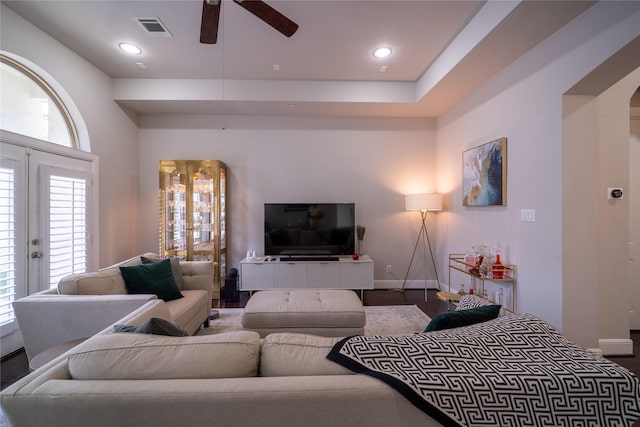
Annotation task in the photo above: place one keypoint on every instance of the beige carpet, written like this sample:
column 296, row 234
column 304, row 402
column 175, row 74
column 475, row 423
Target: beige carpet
column 381, row 320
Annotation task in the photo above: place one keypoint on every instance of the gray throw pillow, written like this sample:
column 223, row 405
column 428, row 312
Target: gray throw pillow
column 155, row 326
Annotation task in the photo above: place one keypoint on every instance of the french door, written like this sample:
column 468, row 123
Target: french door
column 47, row 223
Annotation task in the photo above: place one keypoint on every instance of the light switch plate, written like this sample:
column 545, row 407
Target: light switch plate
column 528, row 215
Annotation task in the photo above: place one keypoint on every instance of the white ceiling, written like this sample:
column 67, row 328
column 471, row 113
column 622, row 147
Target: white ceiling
column 442, row 50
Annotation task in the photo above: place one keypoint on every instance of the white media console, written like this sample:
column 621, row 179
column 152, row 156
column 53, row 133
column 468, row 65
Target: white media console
column 263, row 273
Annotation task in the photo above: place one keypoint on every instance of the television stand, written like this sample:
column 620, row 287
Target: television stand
column 294, row 273
column 295, row 258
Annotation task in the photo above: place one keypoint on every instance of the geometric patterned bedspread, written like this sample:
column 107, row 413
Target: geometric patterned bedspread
column 516, row 370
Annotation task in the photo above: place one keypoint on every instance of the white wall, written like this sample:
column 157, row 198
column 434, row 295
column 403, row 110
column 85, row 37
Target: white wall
column 112, row 133
column 372, row 162
column 524, row 103
column 580, row 181
column 634, row 202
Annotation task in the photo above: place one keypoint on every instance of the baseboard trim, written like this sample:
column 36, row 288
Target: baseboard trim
column 616, row 347
column 411, row 284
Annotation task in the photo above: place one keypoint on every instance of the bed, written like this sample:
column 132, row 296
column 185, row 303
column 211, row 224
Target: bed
column 514, row 370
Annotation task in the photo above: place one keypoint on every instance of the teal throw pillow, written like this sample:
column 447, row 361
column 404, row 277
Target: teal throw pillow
column 456, row 319
column 155, row 278
column 155, row 326
column 175, row 267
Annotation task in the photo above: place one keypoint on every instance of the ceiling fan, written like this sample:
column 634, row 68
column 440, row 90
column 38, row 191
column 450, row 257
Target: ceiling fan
column 211, row 17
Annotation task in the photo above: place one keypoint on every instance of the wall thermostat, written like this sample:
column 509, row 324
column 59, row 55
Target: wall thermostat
column 614, row 193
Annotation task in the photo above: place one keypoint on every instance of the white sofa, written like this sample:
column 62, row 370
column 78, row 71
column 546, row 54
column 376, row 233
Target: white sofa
column 120, row 379
column 84, row 304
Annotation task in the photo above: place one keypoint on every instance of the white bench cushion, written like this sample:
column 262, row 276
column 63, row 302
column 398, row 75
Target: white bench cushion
column 319, row 312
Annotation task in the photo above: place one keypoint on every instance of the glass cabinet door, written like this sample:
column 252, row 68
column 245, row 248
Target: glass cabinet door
column 193, row 213
column 222, row 250
column 173, row 213
column 203, row 213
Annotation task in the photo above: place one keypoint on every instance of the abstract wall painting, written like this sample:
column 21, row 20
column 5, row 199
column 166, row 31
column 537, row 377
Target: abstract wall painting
column 484, row 174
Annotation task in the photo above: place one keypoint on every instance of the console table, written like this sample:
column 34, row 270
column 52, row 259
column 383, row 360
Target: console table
column 263, row 273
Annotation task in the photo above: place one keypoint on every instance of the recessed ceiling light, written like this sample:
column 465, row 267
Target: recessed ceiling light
column 382, row 52
column 130, row 48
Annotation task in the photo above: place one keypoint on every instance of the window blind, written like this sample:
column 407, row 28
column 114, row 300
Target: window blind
column 7, row 241
column 68, row 227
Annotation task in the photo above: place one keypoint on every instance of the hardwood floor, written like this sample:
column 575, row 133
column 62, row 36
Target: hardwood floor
column 15, row 366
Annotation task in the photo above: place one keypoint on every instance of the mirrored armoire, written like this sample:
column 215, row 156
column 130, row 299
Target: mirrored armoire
column 193, row 213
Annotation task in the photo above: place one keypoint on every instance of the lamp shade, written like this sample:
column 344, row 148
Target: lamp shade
column 423, row 202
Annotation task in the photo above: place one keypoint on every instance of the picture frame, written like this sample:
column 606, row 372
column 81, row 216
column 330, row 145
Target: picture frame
column 484, row 174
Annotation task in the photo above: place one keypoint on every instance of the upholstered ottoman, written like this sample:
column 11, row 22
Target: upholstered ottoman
column 332, row 313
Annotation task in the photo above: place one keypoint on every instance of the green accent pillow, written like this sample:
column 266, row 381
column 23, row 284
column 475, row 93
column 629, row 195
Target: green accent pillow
column 155, row 278
column 175, row 268
column 456, row 319
column 155, row 326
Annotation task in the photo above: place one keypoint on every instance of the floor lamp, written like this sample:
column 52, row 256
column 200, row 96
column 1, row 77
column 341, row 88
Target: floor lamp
column 423, row 202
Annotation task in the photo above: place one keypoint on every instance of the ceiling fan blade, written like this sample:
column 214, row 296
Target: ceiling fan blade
column 269, row 15
column 209, row 24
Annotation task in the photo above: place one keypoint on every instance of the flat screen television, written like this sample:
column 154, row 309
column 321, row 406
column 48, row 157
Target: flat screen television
column 309, row 230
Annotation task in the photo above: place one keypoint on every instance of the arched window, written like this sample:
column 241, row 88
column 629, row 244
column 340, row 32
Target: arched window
column 30, row 107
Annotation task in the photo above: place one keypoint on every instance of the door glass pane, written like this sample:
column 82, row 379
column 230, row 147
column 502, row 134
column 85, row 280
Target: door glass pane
column 7, row 240
column 68, row 226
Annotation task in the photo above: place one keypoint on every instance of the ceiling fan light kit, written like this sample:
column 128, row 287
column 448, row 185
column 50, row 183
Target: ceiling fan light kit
column 211, row 18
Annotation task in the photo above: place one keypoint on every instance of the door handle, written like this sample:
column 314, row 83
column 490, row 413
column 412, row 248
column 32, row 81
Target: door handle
column 36, row 254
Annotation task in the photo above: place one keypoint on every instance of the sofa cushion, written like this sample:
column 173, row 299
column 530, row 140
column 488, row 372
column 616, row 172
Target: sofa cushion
column 456, row 319
column 107, row 281
column 155, row 326
column 291, row 354
column 141, row 357
column 155, row 278
column 184, row 309
column 175, row 267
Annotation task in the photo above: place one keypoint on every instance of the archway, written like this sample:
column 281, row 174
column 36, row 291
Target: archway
column 597, row 291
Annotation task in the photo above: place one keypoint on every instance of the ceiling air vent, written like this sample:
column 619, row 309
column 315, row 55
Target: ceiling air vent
column 154, row 27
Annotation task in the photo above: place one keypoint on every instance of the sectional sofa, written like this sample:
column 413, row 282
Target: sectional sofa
column 466, row 370
column 125, row 379
column 84, row 304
